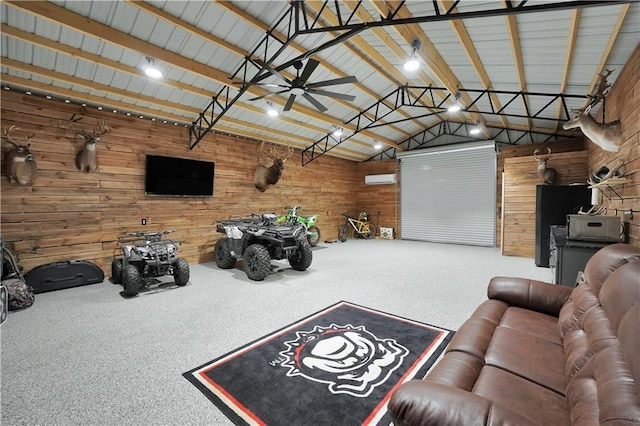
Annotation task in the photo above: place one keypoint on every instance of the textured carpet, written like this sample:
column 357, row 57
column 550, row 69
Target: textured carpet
column 337, row 366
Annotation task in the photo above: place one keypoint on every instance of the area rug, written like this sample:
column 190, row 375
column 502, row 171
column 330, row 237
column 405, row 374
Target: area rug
column 337, row 366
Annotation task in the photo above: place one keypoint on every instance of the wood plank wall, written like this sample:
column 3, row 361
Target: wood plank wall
column 526, row 150
column 69, row 215
column 623, row 103
column 520, row 181
column 380, row 201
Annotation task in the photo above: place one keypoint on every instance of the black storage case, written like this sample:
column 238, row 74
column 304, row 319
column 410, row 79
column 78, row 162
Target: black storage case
column 60, row 275
column 553, row 204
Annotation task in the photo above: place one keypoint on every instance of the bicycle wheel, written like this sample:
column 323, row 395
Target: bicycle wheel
column 343, row 233
column 368, row 230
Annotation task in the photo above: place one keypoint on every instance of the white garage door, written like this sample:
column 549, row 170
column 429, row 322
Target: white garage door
column 448, row 194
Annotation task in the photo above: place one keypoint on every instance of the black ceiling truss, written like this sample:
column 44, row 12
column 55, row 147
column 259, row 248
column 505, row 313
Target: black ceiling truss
column 297, row 21
column 462, row 131
column 426, row 97
column 348, row 22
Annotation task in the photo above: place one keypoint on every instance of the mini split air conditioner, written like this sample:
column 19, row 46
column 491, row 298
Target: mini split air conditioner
column 380, row 179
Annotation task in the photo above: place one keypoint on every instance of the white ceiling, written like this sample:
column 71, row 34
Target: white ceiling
column 94, row 52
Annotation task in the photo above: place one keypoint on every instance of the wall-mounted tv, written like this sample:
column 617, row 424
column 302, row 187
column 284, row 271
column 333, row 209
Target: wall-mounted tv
column 182, row 177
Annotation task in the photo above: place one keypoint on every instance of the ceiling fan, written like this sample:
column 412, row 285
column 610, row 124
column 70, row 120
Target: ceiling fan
column 299, row 86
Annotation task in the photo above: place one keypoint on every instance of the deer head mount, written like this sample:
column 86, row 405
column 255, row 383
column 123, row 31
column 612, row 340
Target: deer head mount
column 547, row 174
column 20, row 164
column 87, row 158
column 607, row 136
column 264, row 176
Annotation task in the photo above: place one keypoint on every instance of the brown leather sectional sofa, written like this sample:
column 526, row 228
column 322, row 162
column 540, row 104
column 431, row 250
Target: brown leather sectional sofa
column 540, row 354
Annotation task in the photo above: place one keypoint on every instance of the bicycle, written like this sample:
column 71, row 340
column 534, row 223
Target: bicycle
column 361, row 227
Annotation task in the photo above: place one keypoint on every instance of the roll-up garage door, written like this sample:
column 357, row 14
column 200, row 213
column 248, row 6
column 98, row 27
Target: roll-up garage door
column 448, row 194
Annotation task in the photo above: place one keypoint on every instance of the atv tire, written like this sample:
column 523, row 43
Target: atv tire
column 224, row 258
column 315, row 238
column 116, row 271
column 131, row 280
column 181, row 271
column 257, row 262
column 302, row 258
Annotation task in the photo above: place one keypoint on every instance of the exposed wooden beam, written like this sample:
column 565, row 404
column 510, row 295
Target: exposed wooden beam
column 516, row 52
column 117, row 66
column 469, row 48
column 427, row 52
column 568, row 58
column 98, row 30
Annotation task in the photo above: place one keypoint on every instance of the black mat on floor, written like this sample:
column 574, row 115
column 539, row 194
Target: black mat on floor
column 337, row 366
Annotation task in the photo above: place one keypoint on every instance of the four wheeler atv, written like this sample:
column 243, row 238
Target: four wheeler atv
column 147, row 255
column 257, row 240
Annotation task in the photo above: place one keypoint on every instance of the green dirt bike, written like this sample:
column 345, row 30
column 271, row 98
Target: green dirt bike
column 313, row 232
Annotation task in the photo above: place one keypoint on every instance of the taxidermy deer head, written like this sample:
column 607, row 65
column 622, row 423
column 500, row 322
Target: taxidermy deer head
column 607, row 136
column 547, row 174
column 87, row 158
column 20, row 164
column 264, row 176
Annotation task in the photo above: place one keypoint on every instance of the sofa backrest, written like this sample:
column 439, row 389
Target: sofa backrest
column 599, row 330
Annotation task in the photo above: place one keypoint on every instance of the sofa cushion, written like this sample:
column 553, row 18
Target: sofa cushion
column 531, row 322
column 528, row 356
column 606, row 261
column 582, row 299
column 620, row 292
column 538, row 404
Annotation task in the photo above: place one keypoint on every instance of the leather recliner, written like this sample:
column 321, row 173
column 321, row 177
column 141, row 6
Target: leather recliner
column 536, row 353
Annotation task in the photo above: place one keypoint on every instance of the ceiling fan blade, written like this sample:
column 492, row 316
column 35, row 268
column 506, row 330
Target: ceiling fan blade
column 333, row 82
column 312, row 64
column 332, row 94
column 315, row 102
column 269, row 94
column 273, row 71
column 289, row 103
column 240, row 83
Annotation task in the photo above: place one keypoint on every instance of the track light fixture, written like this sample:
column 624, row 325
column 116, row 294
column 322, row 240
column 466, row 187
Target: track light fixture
column 151, row 70
column 455, row 107
column 337, row 131
column 271, row 111
column 413, row 63
column 377, row 145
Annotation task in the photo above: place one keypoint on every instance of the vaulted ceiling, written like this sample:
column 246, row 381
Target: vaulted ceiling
column 515, row 67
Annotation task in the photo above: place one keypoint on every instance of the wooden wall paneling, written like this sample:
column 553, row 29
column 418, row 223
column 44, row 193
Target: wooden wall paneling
column 623, row 103
column 70, row 215
column 525, row 150
column 520, row 181
column 382, row 202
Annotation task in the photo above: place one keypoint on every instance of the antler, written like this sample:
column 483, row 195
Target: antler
column 273, row 152
column 599, row 92
column 102, row 127
column 535, row 154
column 6, row 134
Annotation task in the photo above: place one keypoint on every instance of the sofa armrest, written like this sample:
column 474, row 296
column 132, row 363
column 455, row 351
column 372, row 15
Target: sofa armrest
column 529, row 294
column 419, row 402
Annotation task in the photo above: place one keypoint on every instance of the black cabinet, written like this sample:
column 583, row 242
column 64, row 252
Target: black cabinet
column 568, row 257
column 553, row 204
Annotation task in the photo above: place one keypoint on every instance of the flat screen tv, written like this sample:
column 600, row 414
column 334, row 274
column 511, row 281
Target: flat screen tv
column 181, row 177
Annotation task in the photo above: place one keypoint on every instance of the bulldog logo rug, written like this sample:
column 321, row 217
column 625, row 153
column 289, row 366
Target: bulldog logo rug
column 337, row 366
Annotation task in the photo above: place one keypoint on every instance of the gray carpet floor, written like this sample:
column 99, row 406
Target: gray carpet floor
column 88, row 356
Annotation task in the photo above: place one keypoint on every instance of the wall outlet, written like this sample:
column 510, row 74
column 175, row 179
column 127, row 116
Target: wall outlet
column 144, row 220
